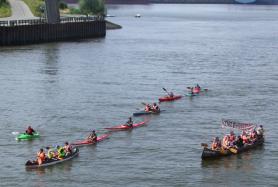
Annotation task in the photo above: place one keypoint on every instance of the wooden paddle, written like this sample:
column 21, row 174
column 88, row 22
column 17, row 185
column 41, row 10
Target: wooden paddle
column 233, row 150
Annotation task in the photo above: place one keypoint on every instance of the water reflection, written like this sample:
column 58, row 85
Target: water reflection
column 51, row 59
column 244, row 161
column 66, row 167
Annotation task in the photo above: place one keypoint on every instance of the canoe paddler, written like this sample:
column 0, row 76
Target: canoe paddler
column 60, row 152
column 148, row 108
column 232, row 137
column 171, row 94
column 68, row 148
column 260, row 131
column 239, row 142
column 92, row 137
column 155, row 107
column 30, row 130
column 216, row 144
column 129, row 123
column 50, row 153
column 40, row 156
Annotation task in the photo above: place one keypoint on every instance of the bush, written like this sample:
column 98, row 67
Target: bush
column 73, row 10
column 95, row 7
column 2, row 2
column 63, row 5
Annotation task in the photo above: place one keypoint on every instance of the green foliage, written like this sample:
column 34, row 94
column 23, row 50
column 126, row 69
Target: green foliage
column 63, row 5
column 3, row 2
column 95, row 7
column 5, row 9
column 73, row 10
column 36, row 6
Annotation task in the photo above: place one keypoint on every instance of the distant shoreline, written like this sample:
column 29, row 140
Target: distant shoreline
column 127, row 2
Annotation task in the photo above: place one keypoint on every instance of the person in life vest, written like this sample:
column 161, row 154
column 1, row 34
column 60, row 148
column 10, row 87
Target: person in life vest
column 60, row 152
column 40, row 156
column 155, row 108
column 92, row 137
column 129, row 123
column 253, row 136
column 50, row 153
column 232, row 137
column 171, row 94
column 30, row 130
column 244, row 137
column 239, row 142
column 148, row 108
column 68, row 148
column 216, row 144
column 226, row 142
column 260, row 131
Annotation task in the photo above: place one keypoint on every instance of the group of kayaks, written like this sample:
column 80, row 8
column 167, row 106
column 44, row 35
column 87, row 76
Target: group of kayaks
column 193, row 91
column 122, row 127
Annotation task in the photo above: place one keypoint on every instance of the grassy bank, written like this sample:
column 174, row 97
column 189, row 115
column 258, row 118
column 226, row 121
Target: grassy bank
column 34, row 6
column 5, row 10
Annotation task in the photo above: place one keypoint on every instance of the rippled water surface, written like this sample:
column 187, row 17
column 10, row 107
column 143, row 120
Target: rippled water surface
column 66, row 89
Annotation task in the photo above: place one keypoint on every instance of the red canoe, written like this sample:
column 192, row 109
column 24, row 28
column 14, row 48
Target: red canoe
column 87, row 142
column 124, row 127
column 168, row 98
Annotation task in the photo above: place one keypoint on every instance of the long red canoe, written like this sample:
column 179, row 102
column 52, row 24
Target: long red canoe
column 87, row 142
column 125, row 127
column 168, row 98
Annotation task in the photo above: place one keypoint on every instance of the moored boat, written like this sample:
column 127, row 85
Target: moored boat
column 25, row 136
column 168, row 98
column 88, row 142
column 53, row 161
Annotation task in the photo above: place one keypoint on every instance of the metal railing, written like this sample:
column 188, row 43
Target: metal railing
column 12, row 23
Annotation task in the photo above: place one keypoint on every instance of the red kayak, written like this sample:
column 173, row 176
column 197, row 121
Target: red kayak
column 87, row 142
column 125, row 127
column 168, row 98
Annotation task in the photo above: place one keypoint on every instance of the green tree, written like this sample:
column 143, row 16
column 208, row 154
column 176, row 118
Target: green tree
column 2, row 2
column 94, row 7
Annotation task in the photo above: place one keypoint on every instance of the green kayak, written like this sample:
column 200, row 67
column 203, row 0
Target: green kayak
column 24, row 136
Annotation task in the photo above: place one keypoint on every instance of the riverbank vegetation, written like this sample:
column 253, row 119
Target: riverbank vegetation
column 92, row 7
column 36, row 6
column 5, row 9
column 86, row 7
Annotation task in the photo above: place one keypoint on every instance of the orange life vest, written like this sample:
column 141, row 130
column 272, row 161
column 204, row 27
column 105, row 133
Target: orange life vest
column 41, row 157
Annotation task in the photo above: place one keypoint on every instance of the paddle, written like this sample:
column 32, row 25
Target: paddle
column 233, row 150
column 15, row 133
column 166, row 91
column 143, row 103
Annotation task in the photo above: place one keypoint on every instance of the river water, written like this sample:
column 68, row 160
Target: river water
column 66, row 89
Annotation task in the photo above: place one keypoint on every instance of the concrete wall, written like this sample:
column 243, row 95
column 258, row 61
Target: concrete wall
column 30, row 34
